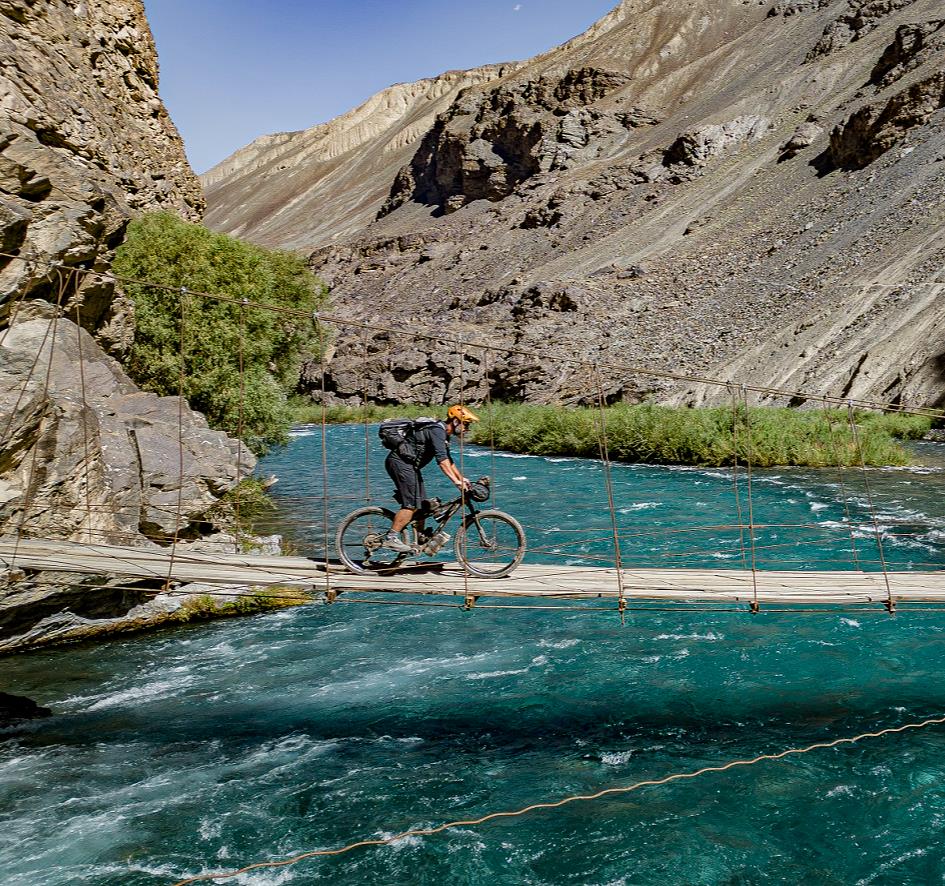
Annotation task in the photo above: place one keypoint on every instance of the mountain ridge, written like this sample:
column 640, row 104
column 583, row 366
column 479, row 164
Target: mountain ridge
column 749, row 191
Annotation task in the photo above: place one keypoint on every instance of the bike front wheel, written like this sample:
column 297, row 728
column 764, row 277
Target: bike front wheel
column 359, row 540
column 490, row 544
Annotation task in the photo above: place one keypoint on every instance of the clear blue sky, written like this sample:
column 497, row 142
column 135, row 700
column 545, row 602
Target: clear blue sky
column 232, row 70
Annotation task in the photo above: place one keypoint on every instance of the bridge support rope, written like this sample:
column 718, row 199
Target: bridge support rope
column 556, row 804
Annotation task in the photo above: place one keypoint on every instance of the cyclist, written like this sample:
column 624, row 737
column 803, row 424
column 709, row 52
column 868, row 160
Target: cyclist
column 432, row 442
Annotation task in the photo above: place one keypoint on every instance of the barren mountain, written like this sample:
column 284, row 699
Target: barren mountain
column 739, row 190
column 298, row 189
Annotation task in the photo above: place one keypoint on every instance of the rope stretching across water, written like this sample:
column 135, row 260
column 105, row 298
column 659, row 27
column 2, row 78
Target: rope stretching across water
column 575, row 798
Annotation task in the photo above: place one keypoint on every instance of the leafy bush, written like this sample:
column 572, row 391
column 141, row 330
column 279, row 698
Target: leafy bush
column 160, row 248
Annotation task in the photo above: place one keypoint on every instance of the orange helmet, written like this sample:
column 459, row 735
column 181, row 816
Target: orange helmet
column 462, row 414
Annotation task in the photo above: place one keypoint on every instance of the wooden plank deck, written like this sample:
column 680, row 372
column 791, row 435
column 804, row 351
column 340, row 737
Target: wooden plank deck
column 530, row 581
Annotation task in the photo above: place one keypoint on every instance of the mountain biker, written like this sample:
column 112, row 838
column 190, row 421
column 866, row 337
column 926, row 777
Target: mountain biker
column 432, row 443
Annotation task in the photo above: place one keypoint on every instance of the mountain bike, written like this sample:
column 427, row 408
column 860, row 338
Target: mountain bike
column 489, row 543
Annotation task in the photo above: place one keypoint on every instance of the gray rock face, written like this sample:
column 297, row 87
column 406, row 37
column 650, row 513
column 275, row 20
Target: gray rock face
column 914, row 44
column 85, row 143
column 803, row 137
column 99, row 460
column 860, row 18
column 698, row 147
column 491, row 141
column 876, row 127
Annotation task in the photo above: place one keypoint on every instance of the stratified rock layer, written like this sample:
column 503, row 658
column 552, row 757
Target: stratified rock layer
column 99, row 461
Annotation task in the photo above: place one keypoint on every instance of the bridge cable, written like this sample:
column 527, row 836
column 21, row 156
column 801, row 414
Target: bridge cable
column 85, row 421
column 362, row 377
column 738, row 500
column 490, row 409
column 49, row 335
column 751, row 508
column 843, row 486
column 556, row 804
column 330, row 593
column 609, row 485
column 237, row 490
column 181, row 358
column 29, row 375
column 891, row 603
column 470, row 598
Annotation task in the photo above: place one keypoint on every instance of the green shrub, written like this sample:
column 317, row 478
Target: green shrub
column 160, row 248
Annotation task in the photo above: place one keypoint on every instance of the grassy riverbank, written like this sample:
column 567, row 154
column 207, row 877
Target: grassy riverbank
column 767, row 436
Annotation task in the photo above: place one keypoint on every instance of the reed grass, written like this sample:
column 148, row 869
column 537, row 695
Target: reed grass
column 765, row 436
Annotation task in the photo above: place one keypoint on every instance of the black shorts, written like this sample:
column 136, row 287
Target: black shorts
column 408, row 480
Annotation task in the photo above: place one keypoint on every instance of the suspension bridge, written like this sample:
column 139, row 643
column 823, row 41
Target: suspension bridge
column 616, row 586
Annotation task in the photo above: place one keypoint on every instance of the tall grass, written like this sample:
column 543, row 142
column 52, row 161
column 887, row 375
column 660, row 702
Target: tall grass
column 766, row 436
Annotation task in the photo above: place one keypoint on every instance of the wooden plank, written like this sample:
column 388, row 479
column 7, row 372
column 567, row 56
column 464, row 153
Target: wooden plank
column 530, row 581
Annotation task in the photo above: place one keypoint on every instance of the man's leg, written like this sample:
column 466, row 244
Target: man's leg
column 405, row 478
column 401, row 519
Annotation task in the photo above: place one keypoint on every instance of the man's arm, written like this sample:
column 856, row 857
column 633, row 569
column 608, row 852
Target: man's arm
column 451, row 471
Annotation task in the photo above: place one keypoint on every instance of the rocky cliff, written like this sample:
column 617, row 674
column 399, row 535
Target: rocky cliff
column 85, row 144
column 750, row 192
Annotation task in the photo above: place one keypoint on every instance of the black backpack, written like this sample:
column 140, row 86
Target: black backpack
column 399, row 435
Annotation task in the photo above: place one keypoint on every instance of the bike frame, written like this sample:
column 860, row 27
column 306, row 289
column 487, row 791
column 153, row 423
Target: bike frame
column 449, row 510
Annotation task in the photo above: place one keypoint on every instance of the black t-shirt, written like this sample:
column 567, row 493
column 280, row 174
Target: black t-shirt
column 432, row 444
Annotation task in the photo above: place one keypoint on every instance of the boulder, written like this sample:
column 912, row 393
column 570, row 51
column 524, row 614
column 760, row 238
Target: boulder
column 874, row 128
column 15, row 708
column 88, row 455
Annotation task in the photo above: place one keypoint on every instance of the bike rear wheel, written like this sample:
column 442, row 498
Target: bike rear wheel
column 360, row 536
column 490, row 545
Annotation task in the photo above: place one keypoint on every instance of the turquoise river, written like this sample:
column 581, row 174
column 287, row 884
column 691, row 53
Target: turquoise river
column 202, row 749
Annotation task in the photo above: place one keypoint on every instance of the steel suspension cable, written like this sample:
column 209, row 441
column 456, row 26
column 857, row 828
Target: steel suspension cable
column 239, row 431
column 490, row 409
column 738, row 498
column 330, row 593
column 843, row 487
column 367, row 424
column 461, row 355
column 52, row 327
column 182, row 373
column 85, row 423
